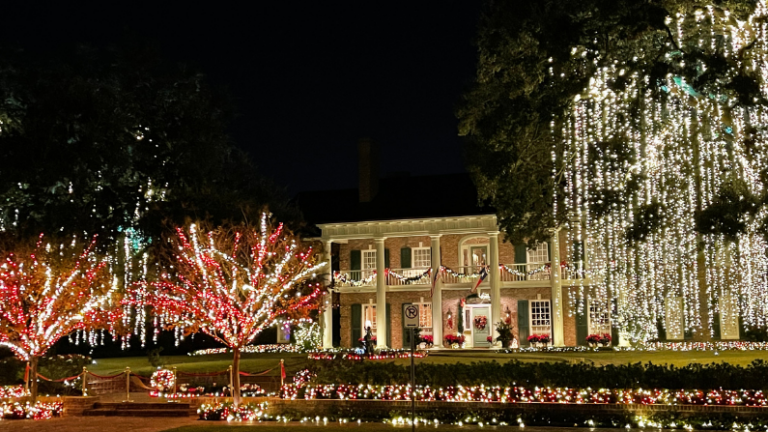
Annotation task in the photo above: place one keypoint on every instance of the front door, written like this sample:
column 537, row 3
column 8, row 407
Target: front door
column 479, row 333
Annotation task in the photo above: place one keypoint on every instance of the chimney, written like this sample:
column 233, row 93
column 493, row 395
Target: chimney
column 368, row 165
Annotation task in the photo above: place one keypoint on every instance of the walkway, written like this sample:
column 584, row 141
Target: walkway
column 96, row 424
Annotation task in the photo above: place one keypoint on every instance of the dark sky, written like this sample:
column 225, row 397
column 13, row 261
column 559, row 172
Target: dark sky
column 309, row 78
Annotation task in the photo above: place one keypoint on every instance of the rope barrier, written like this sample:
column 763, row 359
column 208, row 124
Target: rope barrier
column 60, row 380
column 256, row 373
column 106, row 376
column 202, row 374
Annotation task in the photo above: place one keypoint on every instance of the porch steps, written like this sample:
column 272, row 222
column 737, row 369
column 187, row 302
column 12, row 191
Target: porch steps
column 128, row 409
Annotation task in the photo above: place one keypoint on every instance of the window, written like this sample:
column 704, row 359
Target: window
column 422, row 257
column 538, row 255
column 368, row 262
column 599, row 318
column 541, row 319
column 369, row 314
column 729, row 317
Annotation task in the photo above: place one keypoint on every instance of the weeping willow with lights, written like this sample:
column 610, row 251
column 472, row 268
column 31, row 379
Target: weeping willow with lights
column 653, row 160
column 231, row 284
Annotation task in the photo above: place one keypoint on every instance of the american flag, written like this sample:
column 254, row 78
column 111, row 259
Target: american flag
column 434, row 280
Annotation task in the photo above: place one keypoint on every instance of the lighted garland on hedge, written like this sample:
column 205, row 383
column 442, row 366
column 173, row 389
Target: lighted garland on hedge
column 229, row 412
column 12, row 391
column 497, row 394
column 25, row 411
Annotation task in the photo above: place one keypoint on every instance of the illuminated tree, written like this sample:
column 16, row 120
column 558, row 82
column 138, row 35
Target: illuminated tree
column 49, row 290
column 640, row 128
column 232, row 283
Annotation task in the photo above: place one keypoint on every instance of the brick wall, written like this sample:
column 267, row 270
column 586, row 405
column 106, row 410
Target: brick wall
column 509, row 298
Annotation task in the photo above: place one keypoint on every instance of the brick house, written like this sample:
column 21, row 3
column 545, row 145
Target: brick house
column 382, row 239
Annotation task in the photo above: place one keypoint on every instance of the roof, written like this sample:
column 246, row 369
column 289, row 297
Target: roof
column 398, row 198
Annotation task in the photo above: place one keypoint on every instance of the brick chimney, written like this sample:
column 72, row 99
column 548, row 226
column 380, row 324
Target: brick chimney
column 368, row 165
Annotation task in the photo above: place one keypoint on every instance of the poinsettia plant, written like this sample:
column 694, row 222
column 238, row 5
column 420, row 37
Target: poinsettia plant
column 453, row 339
column 489, row 339
column 605, row 339
column 594, row 339
column 539, row 338
column 428, row 339
column 373, row 339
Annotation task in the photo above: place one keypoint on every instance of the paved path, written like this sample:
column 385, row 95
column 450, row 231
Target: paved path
column 96, row 424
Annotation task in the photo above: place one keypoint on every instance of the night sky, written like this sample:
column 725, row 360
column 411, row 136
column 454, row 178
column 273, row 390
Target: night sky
column 309, row 78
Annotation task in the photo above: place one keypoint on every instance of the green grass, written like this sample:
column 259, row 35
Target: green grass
column 200, row 364
column 294, row 362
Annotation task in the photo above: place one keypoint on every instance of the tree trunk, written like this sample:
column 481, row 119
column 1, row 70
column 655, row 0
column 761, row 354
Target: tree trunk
column 236, row 376
column 33, row 378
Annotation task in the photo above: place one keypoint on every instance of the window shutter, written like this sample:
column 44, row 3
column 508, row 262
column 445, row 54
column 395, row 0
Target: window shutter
column 522, row 322
column 405, row 257
column 549, row 251
column 688, row 333
column 578, row 251
column 389, row 327
column 520, row 254
column 614, row 328
column 662, row 331
column 354, row 259
column 386, row 260
column 716, row 325
column 582, row 326
column 355, row 324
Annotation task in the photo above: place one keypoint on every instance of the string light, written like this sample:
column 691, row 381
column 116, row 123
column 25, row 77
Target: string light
column 635, row 159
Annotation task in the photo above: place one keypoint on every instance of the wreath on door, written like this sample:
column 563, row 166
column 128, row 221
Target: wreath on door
column 481, row 321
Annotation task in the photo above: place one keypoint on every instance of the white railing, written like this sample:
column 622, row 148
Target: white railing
column 355, row 278
column 410, row 276
column 463, row 274
column 574, row 270
column 525, row 272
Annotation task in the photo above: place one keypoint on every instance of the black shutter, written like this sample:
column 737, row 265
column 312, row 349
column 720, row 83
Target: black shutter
column 389, row 327
column 716, row 325
column 662, row 331
column 614, row 327
column 688, row 333
column 354, row 259
column 582, row 326
column 355, row 323
column 405, row 257
column 549, row 251
column 386, row 258
column 520, row 253
column 578, row 252
column 522, row 322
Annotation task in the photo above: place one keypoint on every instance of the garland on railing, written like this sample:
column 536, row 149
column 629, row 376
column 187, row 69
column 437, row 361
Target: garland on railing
column 424, row 277
column 227, row 411
column 701, row 346
column 39, row 411
column 447, row 270
column 515, row 272
column 527, row 395
column 12, row 391
column 344, row 279
column 184, row 392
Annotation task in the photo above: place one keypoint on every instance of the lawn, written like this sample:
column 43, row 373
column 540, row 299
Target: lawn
column 330, row 427
column 295, row 362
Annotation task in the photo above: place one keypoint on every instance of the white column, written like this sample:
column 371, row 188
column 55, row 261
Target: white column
column 495, row 282
column 558, row 339
column 328, row 297
column 437, row 295
column 382, row 325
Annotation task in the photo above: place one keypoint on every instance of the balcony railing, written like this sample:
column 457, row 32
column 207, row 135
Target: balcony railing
column 508, row 273
column 463, row 274
column 410, row 276
column 525, row 272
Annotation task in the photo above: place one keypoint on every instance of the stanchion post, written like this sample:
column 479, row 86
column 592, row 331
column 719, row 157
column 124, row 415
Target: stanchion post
column 128, row 384
column 282, row 368
column 85, row 380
